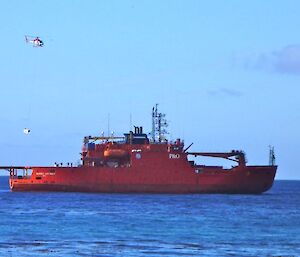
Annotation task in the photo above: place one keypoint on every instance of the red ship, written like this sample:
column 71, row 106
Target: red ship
column 135, row 163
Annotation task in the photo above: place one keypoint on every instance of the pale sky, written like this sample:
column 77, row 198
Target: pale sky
column 226, row 73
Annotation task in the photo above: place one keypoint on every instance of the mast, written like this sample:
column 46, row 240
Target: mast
column 159, row 124
column 271, row 156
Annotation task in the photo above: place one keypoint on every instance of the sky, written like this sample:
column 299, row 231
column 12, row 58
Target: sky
column 226, row 73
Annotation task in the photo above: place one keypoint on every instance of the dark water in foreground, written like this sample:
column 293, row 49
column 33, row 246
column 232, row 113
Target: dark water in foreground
column 79, row 224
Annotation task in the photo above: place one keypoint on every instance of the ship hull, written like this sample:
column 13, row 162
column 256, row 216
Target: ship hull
column 238, row 180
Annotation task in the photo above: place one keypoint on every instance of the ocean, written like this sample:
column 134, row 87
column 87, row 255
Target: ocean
column 137, row 225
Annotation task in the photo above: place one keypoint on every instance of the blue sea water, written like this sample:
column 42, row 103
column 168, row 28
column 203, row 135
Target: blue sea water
column 113, row 225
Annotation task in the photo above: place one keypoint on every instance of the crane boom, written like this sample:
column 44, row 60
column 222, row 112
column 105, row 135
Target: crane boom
column 240, row 156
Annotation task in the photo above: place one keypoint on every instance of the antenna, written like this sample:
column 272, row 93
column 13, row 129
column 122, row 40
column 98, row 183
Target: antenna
column 108, row 127
column 130, row 122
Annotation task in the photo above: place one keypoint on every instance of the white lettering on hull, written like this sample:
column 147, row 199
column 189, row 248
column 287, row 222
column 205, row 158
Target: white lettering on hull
column 174, row 156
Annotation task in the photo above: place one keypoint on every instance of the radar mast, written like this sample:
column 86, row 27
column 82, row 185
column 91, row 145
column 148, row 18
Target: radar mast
column 159, row 125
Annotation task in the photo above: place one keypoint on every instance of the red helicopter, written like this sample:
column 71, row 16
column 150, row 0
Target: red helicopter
column 35, row 41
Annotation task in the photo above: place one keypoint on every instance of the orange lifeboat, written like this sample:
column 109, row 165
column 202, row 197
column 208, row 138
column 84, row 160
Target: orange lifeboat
column 115, row 153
